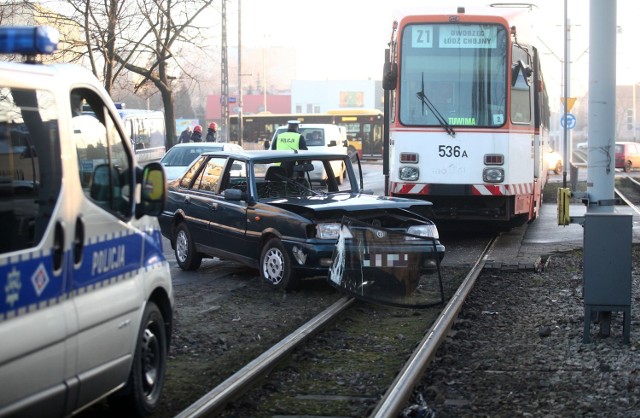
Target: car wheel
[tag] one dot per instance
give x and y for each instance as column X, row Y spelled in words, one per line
column 146, row 379
column 275, row 266
column 627, row 166
column 185, row 249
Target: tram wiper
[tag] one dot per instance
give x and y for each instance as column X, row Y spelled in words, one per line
column 426, row 102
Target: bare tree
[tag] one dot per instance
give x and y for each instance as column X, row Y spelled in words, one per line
column 119, row 37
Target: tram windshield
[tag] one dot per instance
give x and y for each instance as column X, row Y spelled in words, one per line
column 453, row 74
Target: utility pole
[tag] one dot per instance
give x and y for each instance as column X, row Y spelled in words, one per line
column 224, row 78
column 239, row 75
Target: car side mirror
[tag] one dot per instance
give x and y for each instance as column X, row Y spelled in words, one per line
column 233, row 194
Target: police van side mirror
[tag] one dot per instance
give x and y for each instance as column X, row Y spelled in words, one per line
column 153, row 190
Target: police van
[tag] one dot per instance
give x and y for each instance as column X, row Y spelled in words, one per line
column 85, row 290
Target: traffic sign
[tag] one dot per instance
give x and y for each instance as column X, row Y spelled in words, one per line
column 571, row 121
column 570, row 102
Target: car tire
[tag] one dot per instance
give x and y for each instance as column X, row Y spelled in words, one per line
column 627, row 167
column 275, row 266
column 143, row 390
column 185, row 249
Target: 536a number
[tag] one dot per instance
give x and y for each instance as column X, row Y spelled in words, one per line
column 451, row 151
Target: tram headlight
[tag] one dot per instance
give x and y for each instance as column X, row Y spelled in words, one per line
column 493, row 175
column 409, row 173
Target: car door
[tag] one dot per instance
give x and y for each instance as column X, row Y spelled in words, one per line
column 199, row 200
column 229, row 225
column 635, row 155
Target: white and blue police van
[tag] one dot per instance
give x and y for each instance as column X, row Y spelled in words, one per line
column 85, row 291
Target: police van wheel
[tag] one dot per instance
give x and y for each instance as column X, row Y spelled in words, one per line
column 185, row 249
column 275, row 266
column 146, row 379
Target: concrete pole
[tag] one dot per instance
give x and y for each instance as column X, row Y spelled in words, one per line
column 602, row 106
column 240, row 127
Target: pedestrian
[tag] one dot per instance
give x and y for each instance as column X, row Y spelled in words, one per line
column 212, row 132
column 291, row 139
column 185, row 136
column 196, row 136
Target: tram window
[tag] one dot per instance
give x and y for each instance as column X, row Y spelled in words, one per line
column 521, row 90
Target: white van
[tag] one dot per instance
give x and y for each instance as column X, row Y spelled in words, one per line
column 323, row 137
column 86, row 296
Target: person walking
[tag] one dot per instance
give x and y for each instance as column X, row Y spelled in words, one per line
column 212, row 132
column 196, row 136
column 185, row 136
column 291, row 139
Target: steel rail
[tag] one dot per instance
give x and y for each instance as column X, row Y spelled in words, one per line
column 398, row 393
column 219, row 396
column 627, row 201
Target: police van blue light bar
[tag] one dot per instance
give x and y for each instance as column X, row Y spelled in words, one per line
column 28, row 40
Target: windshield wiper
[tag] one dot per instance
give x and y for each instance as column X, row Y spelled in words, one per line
column 426, row 102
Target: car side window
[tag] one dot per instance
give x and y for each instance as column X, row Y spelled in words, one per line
column 104, row 164
column 209, row 178
column 30, row 166
column 191, row 173
column 235, row 176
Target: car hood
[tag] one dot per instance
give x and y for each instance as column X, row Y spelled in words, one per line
column 346, row 203
column 173, row 172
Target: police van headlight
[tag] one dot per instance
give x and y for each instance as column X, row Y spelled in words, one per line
column 409, row 173
column 493, row 175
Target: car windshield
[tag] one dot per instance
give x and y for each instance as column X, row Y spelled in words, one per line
column 183, row 156
column 303, row 177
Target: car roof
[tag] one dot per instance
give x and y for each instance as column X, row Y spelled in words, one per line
column 276, row 154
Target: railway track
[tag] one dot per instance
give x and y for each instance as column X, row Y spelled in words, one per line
column 307, row 373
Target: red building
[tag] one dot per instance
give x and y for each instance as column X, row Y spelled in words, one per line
column 251, row 104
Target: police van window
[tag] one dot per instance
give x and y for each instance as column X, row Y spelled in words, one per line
column 103, row 162
column 30, row 173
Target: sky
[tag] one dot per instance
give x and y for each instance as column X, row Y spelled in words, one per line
column 346, row 39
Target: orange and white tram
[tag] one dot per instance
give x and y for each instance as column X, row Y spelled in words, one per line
column 468, row 116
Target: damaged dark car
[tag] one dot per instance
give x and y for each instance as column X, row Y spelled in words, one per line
column 282, row 212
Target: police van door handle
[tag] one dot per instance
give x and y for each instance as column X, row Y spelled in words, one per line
column 58, row 246
column 78, row 241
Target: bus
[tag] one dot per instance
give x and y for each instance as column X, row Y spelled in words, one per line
column 146, row 129
column 468, row 115
column 364, row 127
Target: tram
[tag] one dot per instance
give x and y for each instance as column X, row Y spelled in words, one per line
column 468, row 115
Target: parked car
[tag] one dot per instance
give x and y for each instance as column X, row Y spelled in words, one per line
column 627, row 155
column 264, row 209
column 553, row 161
column 582, row 146
column 180, row 156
